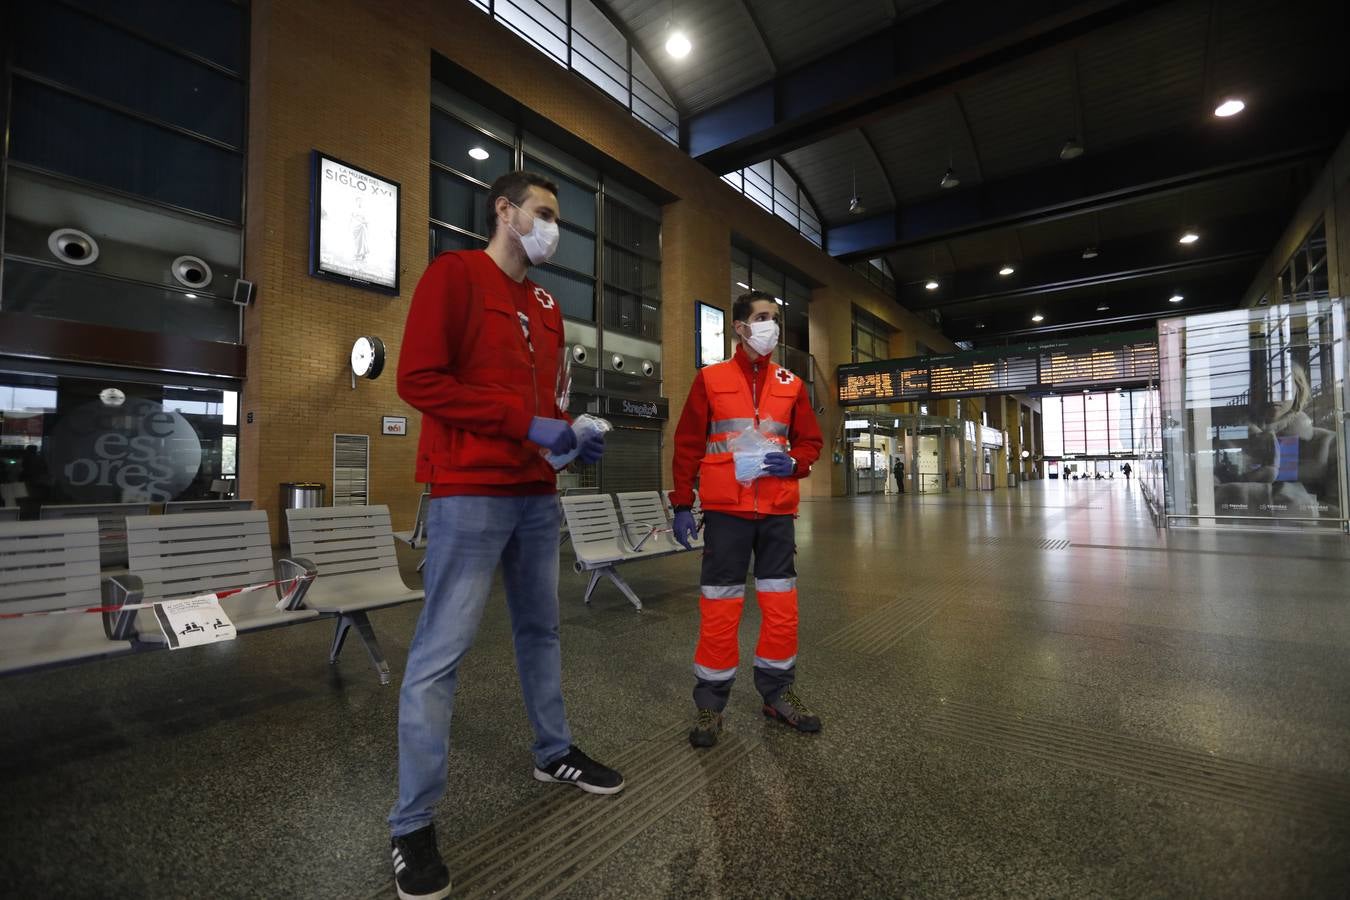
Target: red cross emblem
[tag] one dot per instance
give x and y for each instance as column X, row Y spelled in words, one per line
column 785, row 376
column 544, row 297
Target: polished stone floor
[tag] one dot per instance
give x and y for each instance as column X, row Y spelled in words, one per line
column 1027, row 693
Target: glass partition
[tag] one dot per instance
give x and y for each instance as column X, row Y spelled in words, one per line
column 1253, row 416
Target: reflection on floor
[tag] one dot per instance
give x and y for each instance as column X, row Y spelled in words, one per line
column 1025, row 693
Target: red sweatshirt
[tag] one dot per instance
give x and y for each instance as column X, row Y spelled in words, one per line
column 692, row 432
column 479, row 360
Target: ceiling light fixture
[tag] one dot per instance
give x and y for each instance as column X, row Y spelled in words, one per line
column 932, row 284
column 979, row 324
column 949, row 180
column 743, row 284
column 1102, row 307
column 478, row 153
column 677, row 45
column 1006, row 271
column 1230, row 107
column 1072, row 149
column 1175, row 298
column 1189, row 237
column 855, row 204
column 1038, row 318
column 1090, row 252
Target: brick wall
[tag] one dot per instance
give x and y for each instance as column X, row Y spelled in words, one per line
column 352, row 78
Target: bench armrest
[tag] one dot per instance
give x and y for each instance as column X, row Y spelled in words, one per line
column 295, row 568
column 121, row 590
column 635, row 547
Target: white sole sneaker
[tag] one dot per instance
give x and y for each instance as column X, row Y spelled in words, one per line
column 438, row 895
column 541, row 775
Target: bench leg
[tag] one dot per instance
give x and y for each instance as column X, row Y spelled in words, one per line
column 590, row 588
column 367, row 631
column 622, row 585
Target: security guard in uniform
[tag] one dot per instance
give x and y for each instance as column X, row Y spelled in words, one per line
column 748, row 390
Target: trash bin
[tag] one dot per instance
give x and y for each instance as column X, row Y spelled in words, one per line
column 300, row 495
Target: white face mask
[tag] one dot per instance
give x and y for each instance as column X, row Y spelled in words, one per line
column 541, row 240
column 763, row 337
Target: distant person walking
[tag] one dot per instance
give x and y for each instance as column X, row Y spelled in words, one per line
column 899, row 474
column 1126, row 470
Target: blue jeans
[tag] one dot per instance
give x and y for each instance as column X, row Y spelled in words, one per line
column 466, row 538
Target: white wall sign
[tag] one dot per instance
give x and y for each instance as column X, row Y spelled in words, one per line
column 355, row 227
column 395, row 425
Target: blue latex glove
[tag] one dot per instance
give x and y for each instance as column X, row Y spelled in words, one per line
column 553, row 435
column 591, row 449
column 778, row 465
column 685, row 529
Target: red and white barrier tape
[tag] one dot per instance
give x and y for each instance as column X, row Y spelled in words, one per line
column 215, row 595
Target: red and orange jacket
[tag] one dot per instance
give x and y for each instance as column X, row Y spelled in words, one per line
column 479, row 360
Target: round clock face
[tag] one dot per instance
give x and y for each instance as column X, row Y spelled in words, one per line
column 367, row 357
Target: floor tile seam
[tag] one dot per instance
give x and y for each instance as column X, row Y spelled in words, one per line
column 636, row 754
column 886, row 639
column 877, row 626
column 1141, row 774
column 548, row 858
column 1055, row 728
column 873, row 618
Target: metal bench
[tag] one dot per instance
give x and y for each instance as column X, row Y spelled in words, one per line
column 186, row 555
column 351, row 548
column 418, row 536
column 647, row 513
column 9, row 514
column 178, row 507
column 112, row 525
column 601, row 545
column 46, row 566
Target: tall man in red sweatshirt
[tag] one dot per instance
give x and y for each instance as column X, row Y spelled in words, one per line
column 480, row 360
column 747, row 391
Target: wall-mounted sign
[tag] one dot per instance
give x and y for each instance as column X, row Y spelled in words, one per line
column 642, row 409
column 857, row 423
column 394, row 425
column 354, row 225
column 709, row 334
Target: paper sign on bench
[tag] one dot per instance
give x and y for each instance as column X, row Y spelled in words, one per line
column 194, row 621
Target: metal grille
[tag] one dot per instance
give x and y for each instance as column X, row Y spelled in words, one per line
column 351, row 469
column 632, row 461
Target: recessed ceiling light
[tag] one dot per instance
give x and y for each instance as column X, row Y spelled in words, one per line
column 743, row 284
column 191, row 296
column 949, row 180
column 1102, row 307
column 979, row 324
column 1230, row 107
column 478, row 153
column 1090, row 253
column 677, row 45
column 1006, row 270
column 1175, row 298
column 1072, row 149
column 1038, row 318
column 1190, row 237
column 932, row 285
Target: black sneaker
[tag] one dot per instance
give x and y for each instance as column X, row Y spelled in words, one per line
column 579, row 769
column 790, row 710
column 419, row 871
column 706, row 729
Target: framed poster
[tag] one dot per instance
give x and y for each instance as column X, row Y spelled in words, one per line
column 709, row 334
column 354, row 225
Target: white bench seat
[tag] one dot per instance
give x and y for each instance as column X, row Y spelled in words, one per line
column 601, row 544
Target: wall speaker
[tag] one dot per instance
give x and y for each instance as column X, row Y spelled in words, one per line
column 191, row 271
column 70, row 245
column 243, row 292
column 617, row 362
column 648, row 368
column 579, row 354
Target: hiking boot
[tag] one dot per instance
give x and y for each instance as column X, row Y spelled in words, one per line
column 790, row 710
column 579, row 769
column 706, row 729
column 419, row 871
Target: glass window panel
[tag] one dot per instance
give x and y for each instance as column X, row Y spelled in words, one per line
column 106, row 62
column 451, row 141
column 576, row 250
column 576, row 203
column 444, row 239
column 740, row 272
column 213, row 29
column 634, row 274
column 735, row 180
column 132, row 155
column 661, row 118
column 632, row 314
column 1118, row 421
column 541, row 22
column 457, row 202
column 599, row 51
column 1095, row 423
column 1075, row 438
column 83, row 297
column 632, row 231
column 1052, row 424
column 448, row 100
column 575, row 293
column 766, row 278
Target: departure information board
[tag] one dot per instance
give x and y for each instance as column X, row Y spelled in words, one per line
column 1107, row 361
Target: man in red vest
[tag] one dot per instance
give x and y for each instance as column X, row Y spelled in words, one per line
column 480, row 360
column 746, row 392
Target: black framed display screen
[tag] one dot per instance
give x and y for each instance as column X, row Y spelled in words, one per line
column 710, row 335
column 354, row 219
